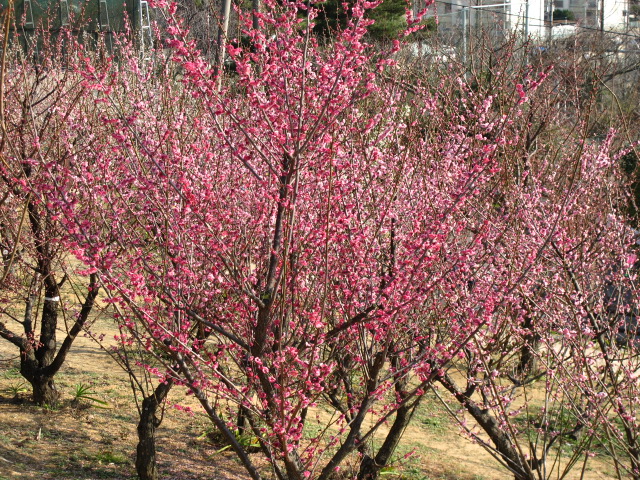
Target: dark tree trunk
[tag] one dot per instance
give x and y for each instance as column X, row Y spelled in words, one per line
column 45, row 391
column 523, row 469
column 39, row 363
column 528, row 363
column 243, row 412
column 49, row 321
column 44, row 388
column 146, row 465
column 370, row 467
column 36, row 365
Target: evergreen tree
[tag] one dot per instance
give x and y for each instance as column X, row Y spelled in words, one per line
column 389, row 18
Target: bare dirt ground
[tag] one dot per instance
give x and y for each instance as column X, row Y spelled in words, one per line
column 84, row 442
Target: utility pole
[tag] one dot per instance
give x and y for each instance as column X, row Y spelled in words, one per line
column 223, row 30
column 526, row 21
column 255, row 8
column 465, row 10
column 466, row 20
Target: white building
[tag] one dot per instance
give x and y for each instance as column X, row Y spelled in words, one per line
column 610, row 13
column 531, row 17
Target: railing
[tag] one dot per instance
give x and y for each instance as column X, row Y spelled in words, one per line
column 64, row 13
column 28, row 15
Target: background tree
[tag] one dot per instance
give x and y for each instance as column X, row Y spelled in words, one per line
column 330, row 253
column 520, row 355
column 326, row 229
column 389, row 18
column 567, row 15
column 38, row 104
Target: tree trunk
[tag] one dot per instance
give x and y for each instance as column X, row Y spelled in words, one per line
column 44, row 388
column 146, row 465
column 46, row 351
column 242, row 419
column 528, row 363
column 39, row 364
column 44, row 391
column 370, row 467
column 522, row 468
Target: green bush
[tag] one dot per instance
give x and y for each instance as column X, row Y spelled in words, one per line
column 389, row 18
column 560, row 14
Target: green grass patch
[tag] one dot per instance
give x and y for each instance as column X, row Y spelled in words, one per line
column 12, row 373
column 111, row 457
